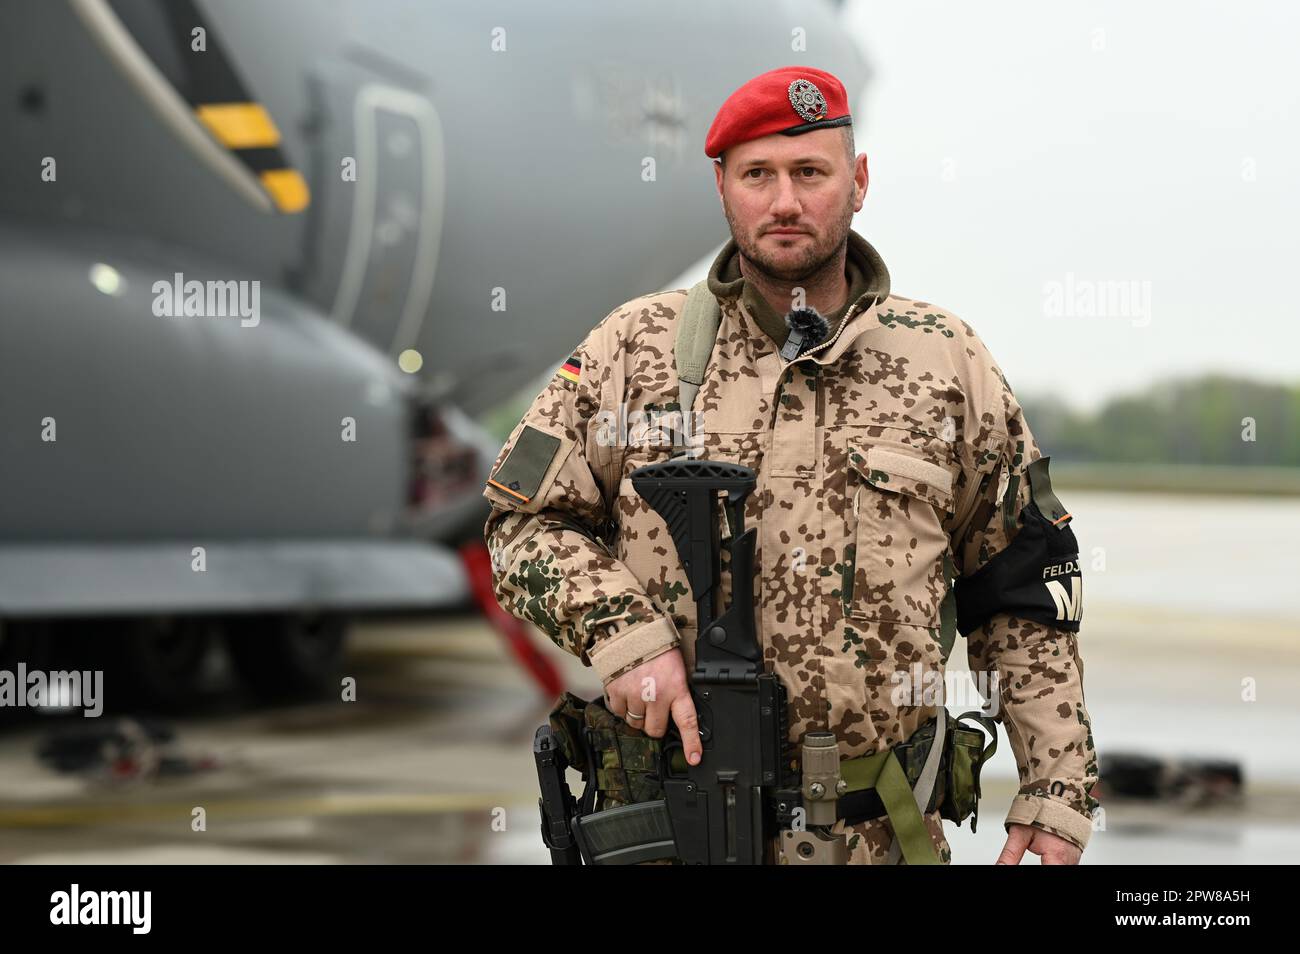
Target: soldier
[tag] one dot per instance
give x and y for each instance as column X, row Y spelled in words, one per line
column 901, row 497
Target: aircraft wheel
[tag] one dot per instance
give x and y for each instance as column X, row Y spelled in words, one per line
column 288, row 657
column 162, row 659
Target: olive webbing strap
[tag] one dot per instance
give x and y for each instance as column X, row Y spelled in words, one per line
column 883, row 772
column 696, row 331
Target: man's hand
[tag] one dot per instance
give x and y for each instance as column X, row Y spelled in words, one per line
column 655, row 690
column 1054, row 849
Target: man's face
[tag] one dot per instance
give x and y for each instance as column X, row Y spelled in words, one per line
column 805, row 185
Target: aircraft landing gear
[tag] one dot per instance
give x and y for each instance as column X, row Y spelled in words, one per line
column 282, row 656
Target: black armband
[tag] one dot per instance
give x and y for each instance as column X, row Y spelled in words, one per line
column 1037, row 577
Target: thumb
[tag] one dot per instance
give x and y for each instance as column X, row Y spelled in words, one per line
column 1017, row 840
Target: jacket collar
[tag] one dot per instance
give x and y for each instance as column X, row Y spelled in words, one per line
column 728, row 286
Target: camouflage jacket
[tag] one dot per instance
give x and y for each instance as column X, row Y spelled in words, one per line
column 890, row 460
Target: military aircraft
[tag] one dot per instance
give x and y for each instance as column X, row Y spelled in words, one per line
column 264, row 266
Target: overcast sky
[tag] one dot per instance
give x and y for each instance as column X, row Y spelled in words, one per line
column 1036, row 166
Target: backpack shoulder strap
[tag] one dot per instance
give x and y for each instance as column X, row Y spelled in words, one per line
column 696, row 331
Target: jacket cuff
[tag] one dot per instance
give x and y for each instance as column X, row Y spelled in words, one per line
column 629, row 648
column 1052, row 815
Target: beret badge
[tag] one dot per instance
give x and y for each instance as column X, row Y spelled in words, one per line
column 807, row 101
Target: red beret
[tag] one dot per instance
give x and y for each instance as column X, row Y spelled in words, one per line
column 789, row 100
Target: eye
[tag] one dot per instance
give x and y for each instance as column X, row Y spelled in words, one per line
column 749, row 172
column 812, row 169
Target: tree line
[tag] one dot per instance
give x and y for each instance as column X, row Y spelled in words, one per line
column 1209, row 419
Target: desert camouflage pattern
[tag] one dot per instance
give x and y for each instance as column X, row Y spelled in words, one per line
column 890, row 458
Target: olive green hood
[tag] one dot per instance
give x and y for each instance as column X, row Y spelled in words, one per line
column 863, row 267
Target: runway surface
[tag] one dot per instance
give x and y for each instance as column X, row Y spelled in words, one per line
column 432, row 761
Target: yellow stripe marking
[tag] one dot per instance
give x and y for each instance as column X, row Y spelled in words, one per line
column 566, row 373
column 239, row 125
column 288, row 190
column 512, row 493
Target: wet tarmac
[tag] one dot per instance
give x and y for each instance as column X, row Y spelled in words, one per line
column 432, row 763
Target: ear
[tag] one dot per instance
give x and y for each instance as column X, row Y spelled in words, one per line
column 861, row 178
column 717, row 176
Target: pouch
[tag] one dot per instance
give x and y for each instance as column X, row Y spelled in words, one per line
column 625, row 760
column 966, row 756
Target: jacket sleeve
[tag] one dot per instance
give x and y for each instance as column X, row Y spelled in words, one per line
column 1037, row 665
column 550, row 490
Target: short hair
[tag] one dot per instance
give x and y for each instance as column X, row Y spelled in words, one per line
column 846, row 135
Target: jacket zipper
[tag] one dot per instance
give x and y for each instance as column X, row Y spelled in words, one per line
column 826, row 344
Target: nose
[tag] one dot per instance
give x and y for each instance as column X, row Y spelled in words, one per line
column 785, row 204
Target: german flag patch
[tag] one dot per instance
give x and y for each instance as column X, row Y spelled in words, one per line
column 571, row 368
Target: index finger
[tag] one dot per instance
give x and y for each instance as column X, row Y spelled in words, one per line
column 688, row 726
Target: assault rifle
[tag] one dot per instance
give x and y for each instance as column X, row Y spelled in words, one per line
column 729, row 808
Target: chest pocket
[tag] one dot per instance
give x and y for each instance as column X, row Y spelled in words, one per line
column 899, row 495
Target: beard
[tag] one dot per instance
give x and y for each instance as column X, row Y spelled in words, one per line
column 811, row 259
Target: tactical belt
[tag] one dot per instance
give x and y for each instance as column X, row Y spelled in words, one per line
column 862, row 801
column 858, row 804
column 881, row 777
column 877, row 786
column 855, row 807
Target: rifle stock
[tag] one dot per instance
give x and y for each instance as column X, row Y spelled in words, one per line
column 718, row 809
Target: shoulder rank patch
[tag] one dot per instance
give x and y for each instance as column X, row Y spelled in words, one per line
column 571, row 368
column 521, row 473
